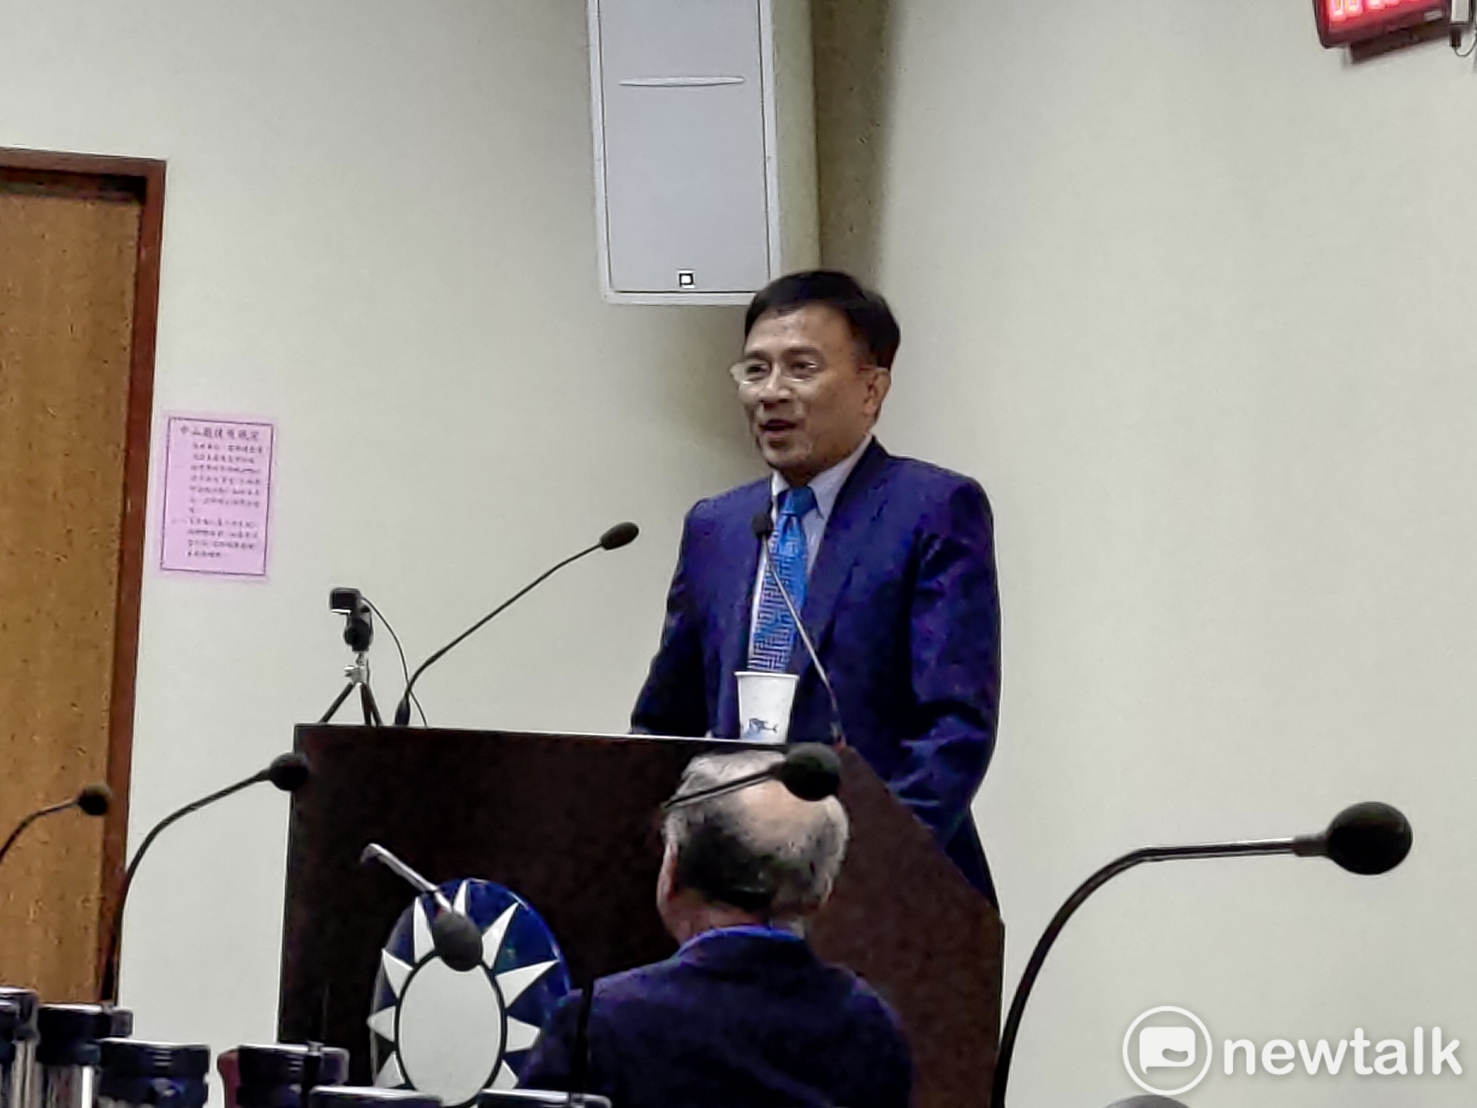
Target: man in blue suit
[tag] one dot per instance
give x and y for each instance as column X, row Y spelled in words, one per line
column 890, row 561
column 744, row 1015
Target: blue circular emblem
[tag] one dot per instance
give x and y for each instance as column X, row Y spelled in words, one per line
column 454, row 1034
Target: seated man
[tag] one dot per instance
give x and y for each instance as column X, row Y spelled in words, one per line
column 744, row 1014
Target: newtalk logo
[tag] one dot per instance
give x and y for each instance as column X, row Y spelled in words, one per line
column 1169, row 1051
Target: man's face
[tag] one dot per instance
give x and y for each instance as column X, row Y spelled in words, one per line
column 820, row 397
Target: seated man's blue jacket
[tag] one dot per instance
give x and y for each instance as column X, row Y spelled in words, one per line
column 904, row 611
column 732, row 1020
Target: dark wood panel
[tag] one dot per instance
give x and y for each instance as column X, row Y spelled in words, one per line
column 570, row 823
column 904, row 918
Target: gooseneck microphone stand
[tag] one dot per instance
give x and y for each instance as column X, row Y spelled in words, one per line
column 763, row 528
column 456, row 938
column 287, row 772
column 1368, row 838
column 1048, row 937
column 93, row 800
column 622, row 534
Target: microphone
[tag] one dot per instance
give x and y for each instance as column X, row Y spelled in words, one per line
column 92, row 800
column 455, row 937
column 622, row 534
column 1368, row 839
column 288, row 772
column 763, row 527
column 811, row 771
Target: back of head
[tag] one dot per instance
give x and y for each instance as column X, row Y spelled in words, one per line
column 871, row 320
column 1146, row 1102
column 759, row 849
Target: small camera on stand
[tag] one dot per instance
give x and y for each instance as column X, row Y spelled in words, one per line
column 359, row 620
column 358, row 635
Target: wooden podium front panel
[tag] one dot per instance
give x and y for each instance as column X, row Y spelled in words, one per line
column 904, row 918
column 567, row 823
column 571, row 824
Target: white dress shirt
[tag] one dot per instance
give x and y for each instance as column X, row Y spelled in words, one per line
column 826, row 486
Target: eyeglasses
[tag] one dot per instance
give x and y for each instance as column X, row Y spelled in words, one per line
column 754, row 373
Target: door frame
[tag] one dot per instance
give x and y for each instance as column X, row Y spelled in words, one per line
column 142, row 178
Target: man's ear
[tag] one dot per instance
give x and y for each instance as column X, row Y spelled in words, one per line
column 877, row 391
column 666, row 879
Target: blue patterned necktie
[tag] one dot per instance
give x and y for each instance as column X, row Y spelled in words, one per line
column 774, row 629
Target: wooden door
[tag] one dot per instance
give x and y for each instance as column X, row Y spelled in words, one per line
column 79, row 257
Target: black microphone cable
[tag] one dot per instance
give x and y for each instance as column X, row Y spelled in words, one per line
column 404, row 665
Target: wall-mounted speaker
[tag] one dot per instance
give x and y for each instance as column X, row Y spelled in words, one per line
column 704, row 125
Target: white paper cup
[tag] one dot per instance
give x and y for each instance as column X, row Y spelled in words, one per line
column 764, row 701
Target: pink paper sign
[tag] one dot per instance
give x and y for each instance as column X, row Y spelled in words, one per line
column 217, row 488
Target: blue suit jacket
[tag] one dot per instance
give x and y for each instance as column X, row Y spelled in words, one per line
column 732, row 1021
column 903, row 609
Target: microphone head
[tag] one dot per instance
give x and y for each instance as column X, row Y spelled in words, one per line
column 457, row 941
column 1368, row 838
column 811, row 771
column 762, row 526
column 622, row 534
column 289, row 772
column 94, row 800
column 1146, row 1102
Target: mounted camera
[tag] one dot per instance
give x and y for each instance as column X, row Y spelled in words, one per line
column 359, row 622
column 358, row 635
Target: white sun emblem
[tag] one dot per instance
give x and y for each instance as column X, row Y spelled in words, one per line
column 451, row 1032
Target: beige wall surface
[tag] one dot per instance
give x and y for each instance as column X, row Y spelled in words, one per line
column 1182, row 289
column 1175, row 284
column 380, row 233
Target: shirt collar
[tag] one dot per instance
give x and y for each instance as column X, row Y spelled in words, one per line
column 826, row 485
column 749, row 930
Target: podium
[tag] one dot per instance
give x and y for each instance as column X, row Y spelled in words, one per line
column 571, row 824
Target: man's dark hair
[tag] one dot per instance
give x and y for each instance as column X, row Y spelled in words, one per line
column 716, row 865
column 871, row 320
column 724, row 853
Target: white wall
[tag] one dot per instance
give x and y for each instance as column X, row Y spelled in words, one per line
column 379, row 231
column 1223, row 428
column 1180, row 287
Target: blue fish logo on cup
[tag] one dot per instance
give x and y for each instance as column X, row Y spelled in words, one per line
column 759, row 730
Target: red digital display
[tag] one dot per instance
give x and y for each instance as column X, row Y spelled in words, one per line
column 1344, row 21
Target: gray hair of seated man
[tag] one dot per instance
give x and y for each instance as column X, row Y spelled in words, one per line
column 1146, row 1102
column 775, row 860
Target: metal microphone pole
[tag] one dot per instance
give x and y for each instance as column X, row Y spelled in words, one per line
column 763, row 527
column 455, row 937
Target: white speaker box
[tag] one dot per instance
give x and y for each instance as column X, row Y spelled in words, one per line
column 704, row 125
